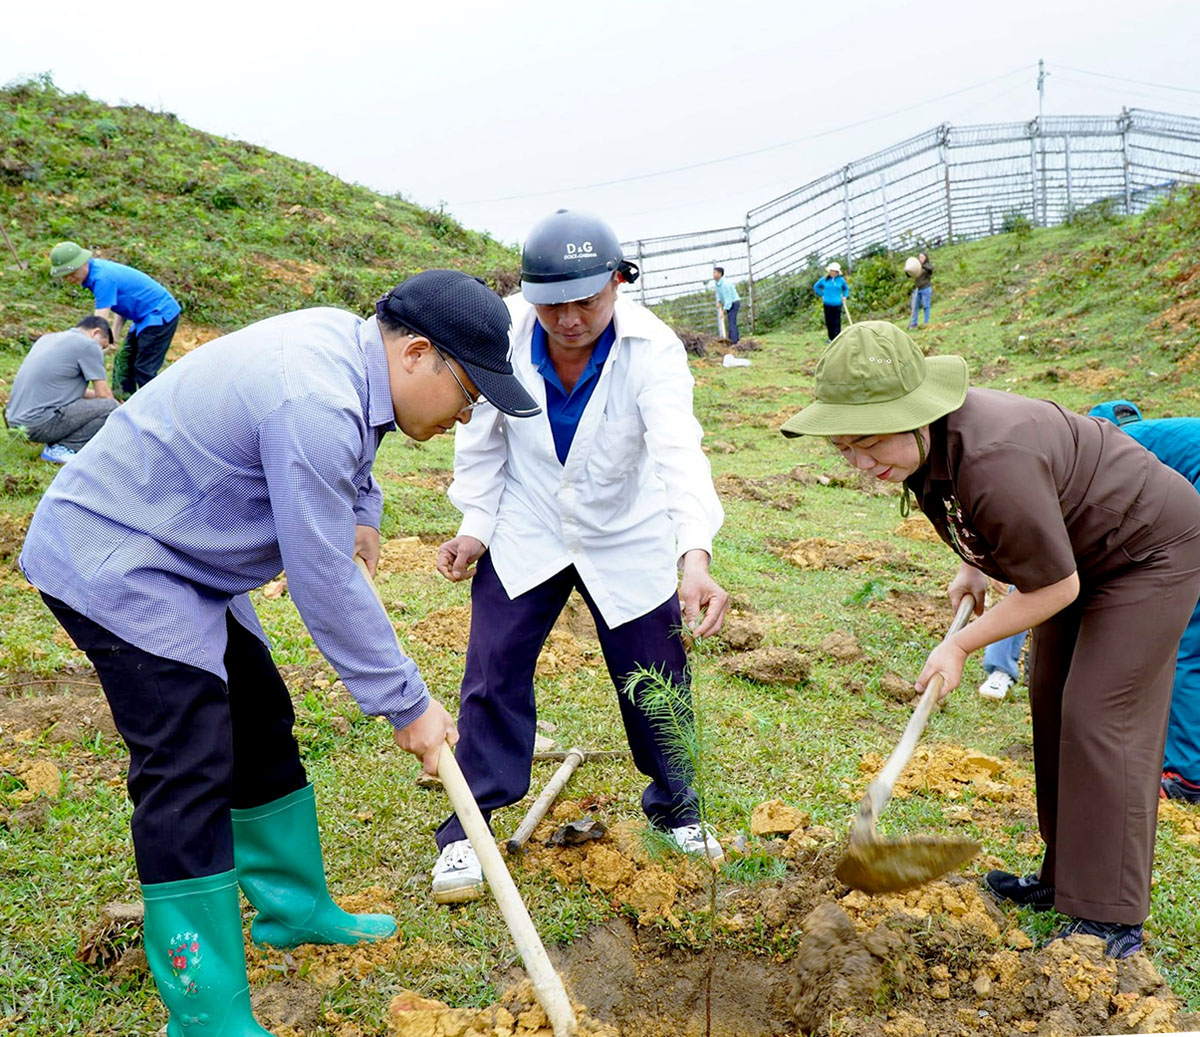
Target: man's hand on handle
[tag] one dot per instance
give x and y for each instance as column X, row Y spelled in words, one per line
column 425, row 735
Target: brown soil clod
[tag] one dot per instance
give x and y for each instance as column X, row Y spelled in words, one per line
column 290, row 1003
column 842, row 646
column 742, row 631
column 117, row 931
column 823, row 553
column 771, row 664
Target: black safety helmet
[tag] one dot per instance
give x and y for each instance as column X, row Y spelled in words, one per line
column 571, row 255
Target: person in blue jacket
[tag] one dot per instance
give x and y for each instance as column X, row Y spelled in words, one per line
column 1176, row 443
column 833, row 290
column 127, row 297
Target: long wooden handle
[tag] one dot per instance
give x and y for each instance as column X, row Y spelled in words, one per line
column 879, row 792
column 540, row 805
column 547, row 984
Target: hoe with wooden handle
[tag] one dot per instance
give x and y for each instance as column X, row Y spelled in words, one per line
column 547, row 984
column 877, row 865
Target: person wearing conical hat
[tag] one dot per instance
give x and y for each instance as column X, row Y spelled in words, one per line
column 1102, row 544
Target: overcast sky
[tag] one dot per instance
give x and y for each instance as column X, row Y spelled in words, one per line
column 506, row 111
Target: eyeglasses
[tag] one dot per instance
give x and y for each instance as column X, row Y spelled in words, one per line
column 471, row 403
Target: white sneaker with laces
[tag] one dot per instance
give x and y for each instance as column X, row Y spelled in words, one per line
column 457, row 875
column 691, row 839
column 997, row 684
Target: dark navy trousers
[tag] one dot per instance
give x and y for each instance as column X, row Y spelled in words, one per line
column 497, row 715
column 197, row 745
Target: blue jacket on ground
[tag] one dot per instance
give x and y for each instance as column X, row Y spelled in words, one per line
column 832, row 290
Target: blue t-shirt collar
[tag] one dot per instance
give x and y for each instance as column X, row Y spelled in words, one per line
column 539, row 353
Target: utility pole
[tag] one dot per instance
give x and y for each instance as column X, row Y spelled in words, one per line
column 1041, row 86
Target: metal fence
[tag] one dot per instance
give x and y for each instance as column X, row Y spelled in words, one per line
column 948, row 184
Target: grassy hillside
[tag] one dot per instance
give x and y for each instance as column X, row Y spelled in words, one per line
column 235, row 231
column 817, row 563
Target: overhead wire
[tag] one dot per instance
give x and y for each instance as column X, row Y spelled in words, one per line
column 744, row 154
column 1126, row 79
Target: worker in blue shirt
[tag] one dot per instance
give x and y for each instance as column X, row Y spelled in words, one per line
column 124, row 296
column 1176, row 443
column 729, row 301
column 252, row 455
column 832, row 290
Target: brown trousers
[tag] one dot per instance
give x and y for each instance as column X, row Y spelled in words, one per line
column 1100, row 682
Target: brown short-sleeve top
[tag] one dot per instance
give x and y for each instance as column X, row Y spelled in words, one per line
column 1029, row 492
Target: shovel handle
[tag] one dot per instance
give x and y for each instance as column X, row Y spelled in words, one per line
column 547, row 983
column 879, row 792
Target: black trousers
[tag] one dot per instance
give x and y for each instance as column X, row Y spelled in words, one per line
column 497, row 717
column 731, row 315
column 833, row 320
column 197, row 745
column 147, row 351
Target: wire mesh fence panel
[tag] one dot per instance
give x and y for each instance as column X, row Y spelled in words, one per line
column 947, row 184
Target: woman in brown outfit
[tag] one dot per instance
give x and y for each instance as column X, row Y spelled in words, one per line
column 1102, row 543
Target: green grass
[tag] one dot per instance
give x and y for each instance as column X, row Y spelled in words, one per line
column 1048, row 314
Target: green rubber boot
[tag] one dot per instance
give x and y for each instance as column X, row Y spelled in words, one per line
column 277, row 852
column 193, row 940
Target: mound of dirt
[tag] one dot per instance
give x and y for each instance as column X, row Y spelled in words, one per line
column 328, row 966
column 822, row 553
column 928, row 612
column 445, row 628
column 576, row 618
column 917, row 527
column 407, row 555
column 619, row 867
column 563, row 653
column 776, row 491
column 288, row 1005
column 771, row 664
column 742, row 631
column 775, row 817
column 950, row 770
column 842, row 646
column 1183, row 819
column 517, row 1015
column 941, row 954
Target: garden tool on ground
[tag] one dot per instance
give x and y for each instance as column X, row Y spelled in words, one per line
column 548, row 795
column 877, row 865
column 846, row 307
column 547, row 983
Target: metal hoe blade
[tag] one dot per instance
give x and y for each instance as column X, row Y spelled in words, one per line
column 877, row 865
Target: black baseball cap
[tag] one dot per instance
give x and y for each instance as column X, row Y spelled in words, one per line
column 465, row 319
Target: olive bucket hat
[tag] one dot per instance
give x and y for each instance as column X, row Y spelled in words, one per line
column 67, row 256
column 873, row 379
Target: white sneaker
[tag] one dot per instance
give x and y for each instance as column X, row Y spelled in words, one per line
column 691, row 839
column 997, row 684
column 457, row 875
column 56, row 453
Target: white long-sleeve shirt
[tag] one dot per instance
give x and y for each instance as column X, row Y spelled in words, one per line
column 636, row 490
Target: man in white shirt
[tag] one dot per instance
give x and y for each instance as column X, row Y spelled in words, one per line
column 609, row 492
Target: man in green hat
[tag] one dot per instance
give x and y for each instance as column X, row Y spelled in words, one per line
column 1102, row 544
column 124, row 296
